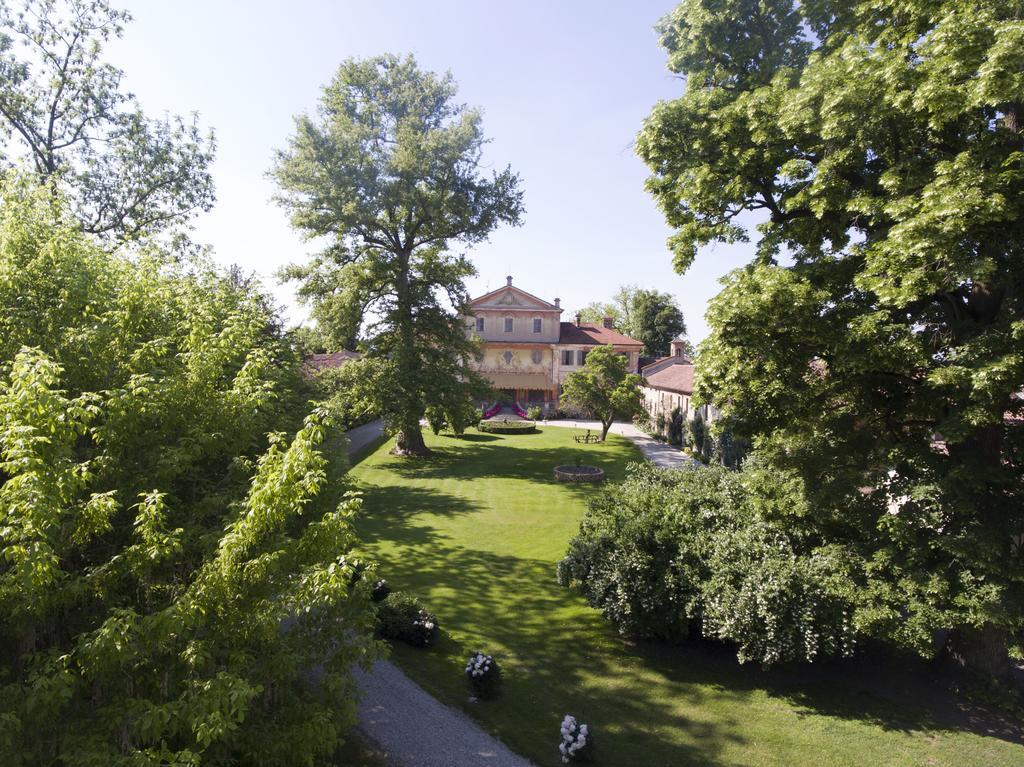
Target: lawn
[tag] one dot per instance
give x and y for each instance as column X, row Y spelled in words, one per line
column 476, row 532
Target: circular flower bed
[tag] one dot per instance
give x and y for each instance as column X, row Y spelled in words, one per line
column 507, row 427
column 578, row 474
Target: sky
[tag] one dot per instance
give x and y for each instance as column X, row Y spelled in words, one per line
column 563, row 87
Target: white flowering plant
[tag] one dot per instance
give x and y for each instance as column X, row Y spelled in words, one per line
column 577, row 742
column 483, row 674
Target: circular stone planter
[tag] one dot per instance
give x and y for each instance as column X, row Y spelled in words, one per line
column 578, row 474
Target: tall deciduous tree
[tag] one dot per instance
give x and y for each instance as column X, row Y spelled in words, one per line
column 63, row 110
column 170, row 576
column 604, row 388
column 881, row 144
column 646, row 315
column 389, row 173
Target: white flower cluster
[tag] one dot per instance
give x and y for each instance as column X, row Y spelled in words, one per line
column 574, row 738
column 478, row 665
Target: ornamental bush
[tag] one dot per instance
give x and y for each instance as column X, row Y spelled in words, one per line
column 710, row 552
column 483, row 674
column 576, row 742
column 507, row 427
column 534, row 413
column 774, row 604
column 401, row 617
column 172, row 565
column 642, row 548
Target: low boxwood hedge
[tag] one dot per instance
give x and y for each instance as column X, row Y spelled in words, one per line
column 507, row 427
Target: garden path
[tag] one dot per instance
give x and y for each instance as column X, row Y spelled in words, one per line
column 659, row 453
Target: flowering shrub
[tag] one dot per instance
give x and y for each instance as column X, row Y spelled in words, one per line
column 670, row 554
column 534, row 413
column 777, row 606
column 402, row 617
column 483, row 674
column 577, row 742
column 380, row 592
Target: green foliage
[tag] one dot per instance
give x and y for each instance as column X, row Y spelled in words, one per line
column 676, row 427
column 401, row 617
column 435, row 418
column 534, row 413
column 603, row 388
column 774, row 603
column 880, row 148
column 169, row 576
column 63, row 109
column 507, row 427
column 649, row 316
column 389, row 172
column 671, row 554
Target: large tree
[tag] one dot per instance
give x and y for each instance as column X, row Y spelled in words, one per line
column 389, row 174
column 64, row 112
column 650, row 316
column 882, row 361
column 604, row 388
column 173, row 568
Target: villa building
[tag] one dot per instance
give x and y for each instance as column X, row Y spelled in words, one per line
column 527, row 350
column 668, row 384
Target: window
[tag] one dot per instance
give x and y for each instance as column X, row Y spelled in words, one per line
column 536, row 324
column 581, row 357
column 536, row 356
column 508, row 324
column 480, row 324
column 508, row 357
column 568, row 356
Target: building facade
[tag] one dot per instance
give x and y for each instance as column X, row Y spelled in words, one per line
column 527, row 350
column 668, row 384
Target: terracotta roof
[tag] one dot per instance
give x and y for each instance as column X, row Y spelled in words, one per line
column 675, row 378
column 318, row 362
column 586, row 333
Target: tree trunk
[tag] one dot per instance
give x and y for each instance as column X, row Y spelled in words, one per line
column 409, row 441
column 605, row 426
column 981, row 650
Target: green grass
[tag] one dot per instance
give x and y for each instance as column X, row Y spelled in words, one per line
column 476, row 532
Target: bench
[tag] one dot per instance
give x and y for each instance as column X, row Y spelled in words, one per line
column 587, row 438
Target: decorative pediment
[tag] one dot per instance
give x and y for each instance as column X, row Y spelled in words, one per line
column 510, row 297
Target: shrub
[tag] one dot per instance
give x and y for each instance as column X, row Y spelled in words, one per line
column 671, row 553
column 483, row 674
column 380, row 592
column 640, row 554
column 435, row 419
column 676, row 427
column 659, row 423
column 534, row 413
column 775, row 604
column 577, row 743
column 507, row 427
column 460, row 416
column 403, row 618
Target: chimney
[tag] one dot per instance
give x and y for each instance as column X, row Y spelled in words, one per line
column 558, row 303
column 577, row 319
column 508, row 281
column 608, row 322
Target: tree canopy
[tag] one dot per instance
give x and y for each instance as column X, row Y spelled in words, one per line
column 63, row 110
column 604, row 388
column 389, row 174
column 882, row 359
column 650, row 316
column 170, row 577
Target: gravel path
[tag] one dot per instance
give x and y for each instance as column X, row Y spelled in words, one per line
column 409, row 725
column 659, row 453
column 415, row 730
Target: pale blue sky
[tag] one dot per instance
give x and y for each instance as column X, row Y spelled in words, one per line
column 563, row 87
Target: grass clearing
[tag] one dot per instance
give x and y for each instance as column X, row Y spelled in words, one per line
column 476, row 530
